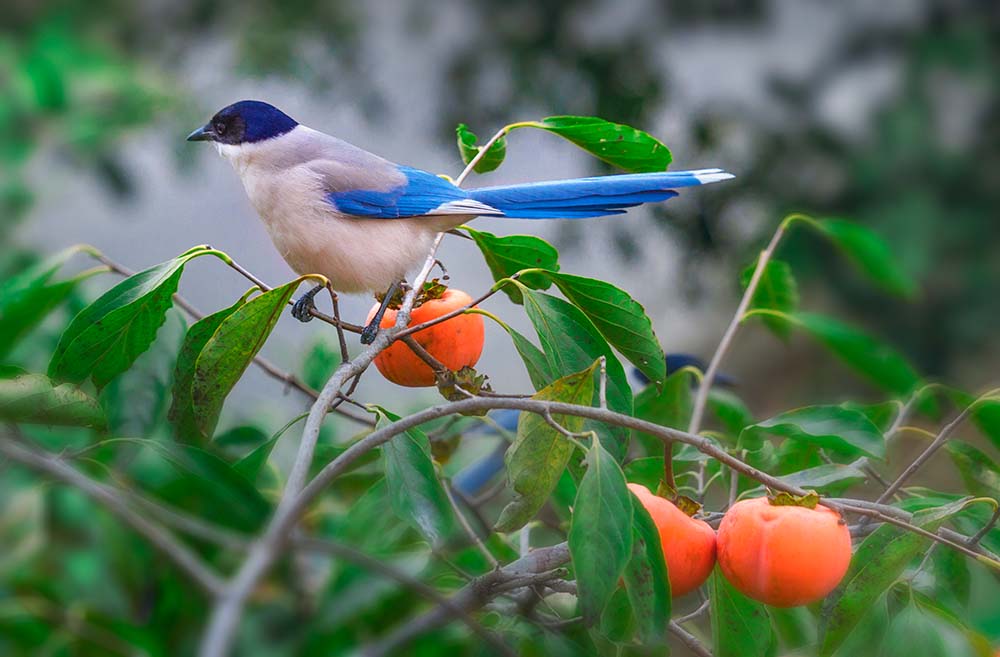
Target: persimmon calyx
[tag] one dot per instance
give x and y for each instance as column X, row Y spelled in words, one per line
column 780, row 498
column 456, row 386
column 432, row 289
column 686, row 504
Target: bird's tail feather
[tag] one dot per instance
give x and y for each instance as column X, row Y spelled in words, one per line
column 590, row 197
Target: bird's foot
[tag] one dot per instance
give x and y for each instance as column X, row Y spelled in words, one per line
column 371, row 330
column 369, row 333
column 302, row 309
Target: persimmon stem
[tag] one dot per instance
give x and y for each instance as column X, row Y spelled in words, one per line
column 668, row 465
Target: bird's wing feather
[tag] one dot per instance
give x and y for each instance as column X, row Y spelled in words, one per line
column 403, row 192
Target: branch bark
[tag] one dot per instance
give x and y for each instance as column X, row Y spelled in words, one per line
column 225, row 615
column 166, row 543
column 476, row 594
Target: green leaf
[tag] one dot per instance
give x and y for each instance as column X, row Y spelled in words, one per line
column 230, row 350
column 830, row 427
column 917, row 632
column 509, row 254
column 881, row 415
column 34, row 399
column 980, row 474
column 415, row 492
column 319, row 363
column 106, row 337
column 776, row 290
column 646, row 578
column 600, row 533
column 207, row 486
column 877, row 563
column 986, row 416
column 620, row 319
column 952, row 578
column 646, row 470
column 617, row 619
column 182, row 414
column 619, row 145
column 571, row 343
column 250, row 465
column 870, row 253
column 469, row 150
column 669, row 407
column 826, row 479
column 534, row 359
column 740, row 626
column 876, row 360
column 731, row 411
column 539, row 454
column 137, row 401
column 28, row 297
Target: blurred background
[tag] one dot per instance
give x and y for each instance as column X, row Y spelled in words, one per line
column 886, row 113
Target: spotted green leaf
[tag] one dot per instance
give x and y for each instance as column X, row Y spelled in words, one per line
column 539, row 454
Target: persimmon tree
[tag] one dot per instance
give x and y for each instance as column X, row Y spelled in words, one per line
column 167, row 536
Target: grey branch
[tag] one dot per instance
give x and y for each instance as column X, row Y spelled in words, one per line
column 225, row 616
column 348, row 553
column 168, row 545
column 689, row 640
column 534, row 568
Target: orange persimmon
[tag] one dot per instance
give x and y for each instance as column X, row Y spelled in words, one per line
column 783, row 555
column 456, row 342
column 688, row 544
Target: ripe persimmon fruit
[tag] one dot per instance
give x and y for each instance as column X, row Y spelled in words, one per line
column 456, row 342
column 688, row 544
column 783, row 555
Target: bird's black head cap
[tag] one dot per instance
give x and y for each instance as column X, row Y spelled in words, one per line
column 248, row 121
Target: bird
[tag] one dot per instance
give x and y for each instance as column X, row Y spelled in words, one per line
column 364, row 222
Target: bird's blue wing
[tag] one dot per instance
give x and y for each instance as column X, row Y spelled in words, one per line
column 422, row 194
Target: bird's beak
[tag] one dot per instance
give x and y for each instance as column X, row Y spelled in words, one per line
column 204, row 133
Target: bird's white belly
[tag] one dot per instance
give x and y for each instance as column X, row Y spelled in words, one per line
column 356, row 255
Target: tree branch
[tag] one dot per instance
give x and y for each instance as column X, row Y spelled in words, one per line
column 263, row 363
column 348, row 553
column 689, row 640
column 705, row 386
column 184, row 558
column 537, row 566
column 225, row 616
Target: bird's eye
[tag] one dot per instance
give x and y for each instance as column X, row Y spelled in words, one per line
column 220, row 128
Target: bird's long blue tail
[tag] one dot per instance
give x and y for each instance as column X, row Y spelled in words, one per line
column 590, row 197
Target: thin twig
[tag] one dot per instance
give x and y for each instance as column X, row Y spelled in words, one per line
column 689, row 640
column 263, row 363
column 184, row 558
column 344, row 353
column 701, row 399
column 225, row 616
column 355, row 556
column 410, row 330
column 978, row 536
column 697, row 613
column 924, row 456
column 480, row 155
column 602, row 390
column 538, row 566
column 466, row 527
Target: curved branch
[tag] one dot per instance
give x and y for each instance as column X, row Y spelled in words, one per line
column 183, row 557
column 536, row 566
